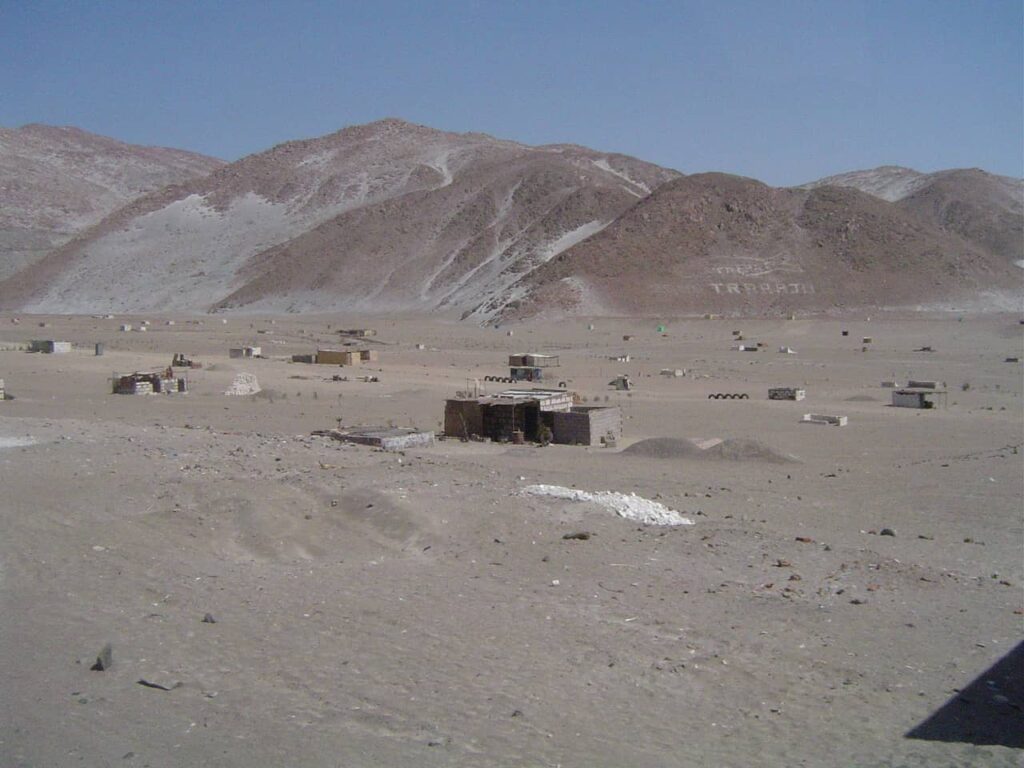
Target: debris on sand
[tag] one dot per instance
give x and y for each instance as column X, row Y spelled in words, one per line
column 627, row 505
column 159, row 686
column 244, row 384
column 730, row 449
column 104, row 660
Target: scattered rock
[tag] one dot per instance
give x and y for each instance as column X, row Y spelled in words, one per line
column 579, row 535
column 105, row 659
column 805, row 539
column 887, row 532
column 858, row 601
column 780, row 563
column 208, row 618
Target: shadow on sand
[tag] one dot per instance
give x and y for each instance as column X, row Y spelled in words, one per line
column 988, row 711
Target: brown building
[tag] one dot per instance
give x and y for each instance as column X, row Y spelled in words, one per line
column 528, row 411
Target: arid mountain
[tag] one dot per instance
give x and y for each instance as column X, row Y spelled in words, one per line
column 983, row 208
column 55, row 182
column 385, row 215
column 395, row 216
column 718, row 243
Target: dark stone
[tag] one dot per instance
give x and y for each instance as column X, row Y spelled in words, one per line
column 887, row 532
column 208, row 619
column 579, row 535
column 105, row 659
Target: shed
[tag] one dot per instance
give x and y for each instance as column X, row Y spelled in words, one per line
column 245, row 352
column 49, row 347
column 499, row 416
column 525, row 373
column 338, row 357
column 917, row 397
column 786, row 393
column 533, row 360
column 587, row 425
column 148, row 383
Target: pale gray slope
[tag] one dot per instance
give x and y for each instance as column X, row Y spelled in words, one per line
column 56, row 181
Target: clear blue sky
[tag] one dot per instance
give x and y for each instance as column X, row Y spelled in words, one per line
column 782, row 90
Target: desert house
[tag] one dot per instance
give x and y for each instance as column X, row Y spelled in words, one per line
column 49, row 347
column 918, row 397
column 529, row 414
column 148, row 383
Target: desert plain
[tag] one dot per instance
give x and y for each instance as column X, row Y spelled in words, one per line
column 375, row 608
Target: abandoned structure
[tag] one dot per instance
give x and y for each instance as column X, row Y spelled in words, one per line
column 918, row 397
column 3, row 394
column 49, row 347
column 339, row 357
column 532, row 414
column 822, row 418
column 622, row 383
column 245, row 352
column 786, row 393
column 180, row 361
column 387, row 438
column 530, row 366
column 148, row 383
column 358, row 332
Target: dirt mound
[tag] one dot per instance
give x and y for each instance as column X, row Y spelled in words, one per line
column 748, row 450
column 731, row 449
column 665, row 448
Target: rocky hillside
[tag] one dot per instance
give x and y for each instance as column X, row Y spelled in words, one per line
column 385, row 215
column 394, row 216
column 55, row 182
column 983, row 208
column 718, row 243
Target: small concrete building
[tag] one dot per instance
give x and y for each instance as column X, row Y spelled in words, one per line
column 3, row 392
column 587, row 425
column 49, row 347
column 918, row 397
column 786, row 393
column 245, row 352
column 358, row 332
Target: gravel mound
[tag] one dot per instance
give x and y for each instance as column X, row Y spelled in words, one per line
column 731, row 449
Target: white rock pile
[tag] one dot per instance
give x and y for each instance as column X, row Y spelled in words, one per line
column 244, row 384
column 627, row 505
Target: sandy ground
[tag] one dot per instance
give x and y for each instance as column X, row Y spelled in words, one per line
column 412, row 609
